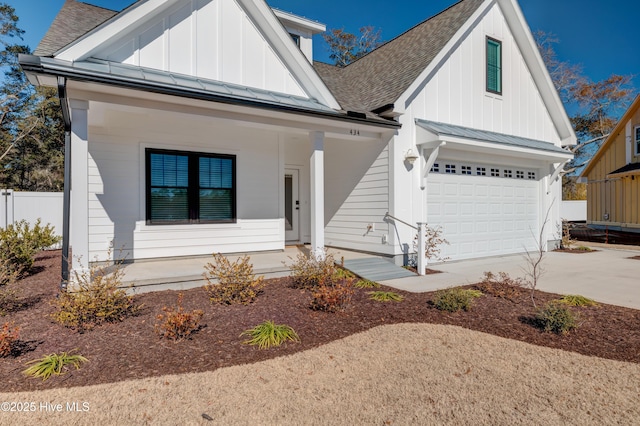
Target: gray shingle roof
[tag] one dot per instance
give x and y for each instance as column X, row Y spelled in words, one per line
column 74, row 20
column 383, row 75
column 486, row 136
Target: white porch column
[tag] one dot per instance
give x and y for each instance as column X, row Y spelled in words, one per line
column 79, row 232
column 422, row 260
column 317, row 192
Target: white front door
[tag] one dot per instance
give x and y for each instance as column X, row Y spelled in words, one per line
column 291, row 205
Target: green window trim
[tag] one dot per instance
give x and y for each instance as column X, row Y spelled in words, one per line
column 189, row 187
column 494, row 66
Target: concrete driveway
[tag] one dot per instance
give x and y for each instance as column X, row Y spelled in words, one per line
column 608, row 275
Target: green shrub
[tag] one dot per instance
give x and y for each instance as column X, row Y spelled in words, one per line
column 8, row 274
column 332, row 296
column 454, row 299
column 236, row 282
column 385, row 296
column 309, row 272
column 366, row 284
column 556, row 318
column 96, row 299
column 19, row 243
column 9, row 334
column 270, row 334
column 577, row 300
column 583, row 248
column 176, row 324
column 54, row 364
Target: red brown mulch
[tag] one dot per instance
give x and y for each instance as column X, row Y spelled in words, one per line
column 575, row 251
column 635, row 257
column 131, row 349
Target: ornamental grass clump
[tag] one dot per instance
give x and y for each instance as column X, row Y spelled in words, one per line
column 577, row 300
column 455, row 299
column 176, row 323
column 366, row 284
column 269, row 334
column 54, row 364
column 9, row 335
column 232, row 283
column 385, row 296
column 96, row 298
column 557, row 318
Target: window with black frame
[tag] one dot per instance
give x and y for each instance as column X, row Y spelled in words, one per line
column 190, row 187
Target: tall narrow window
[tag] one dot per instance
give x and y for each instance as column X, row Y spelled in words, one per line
column 637, row 140
column 188, row 187
column 494, row 66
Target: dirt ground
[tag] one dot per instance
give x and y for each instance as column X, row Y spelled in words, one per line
column 351, row 366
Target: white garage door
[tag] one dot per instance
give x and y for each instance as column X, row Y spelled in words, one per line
column 485, row 211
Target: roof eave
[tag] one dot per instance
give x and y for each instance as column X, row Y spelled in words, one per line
column 35, row 67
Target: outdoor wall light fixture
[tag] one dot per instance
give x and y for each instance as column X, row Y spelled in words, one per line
column 410, row 157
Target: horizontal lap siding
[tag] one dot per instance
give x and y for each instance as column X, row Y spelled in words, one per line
column 367, row 204
column 116, row 205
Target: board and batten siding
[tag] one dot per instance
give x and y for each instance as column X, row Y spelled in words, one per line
column 117, row 194
column 210, row 39
column 614, row 201
column 457, row 92
column 367, row 204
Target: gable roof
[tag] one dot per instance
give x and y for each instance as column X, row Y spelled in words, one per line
column 74, row 20
column 382, row 76
column 612, row 136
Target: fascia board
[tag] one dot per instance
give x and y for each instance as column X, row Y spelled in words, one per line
column 480, row 146
column 522, row 34
column 291, row 56
column 313, row 27
column 82, row 48
column 414, row 89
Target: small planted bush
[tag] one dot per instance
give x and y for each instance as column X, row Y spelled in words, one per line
column 236, row 282
column 385, row 296
column 455, row 299
column 8, row 301
column 269, row 334
column 8, row 274
column 9, row 335
column 97, row 299
column 176, row 323
column 309, row 271
column 332, row 296
column 501, row 285
column 366, row 284
column 557, row 318
column 54, row 364
column 19, row 243
column 577, row 300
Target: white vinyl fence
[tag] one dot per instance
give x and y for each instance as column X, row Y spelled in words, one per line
column 574, row 211
column 31, row 206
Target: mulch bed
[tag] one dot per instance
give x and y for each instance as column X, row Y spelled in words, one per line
column 575, row 251
column 635, row 257
column 131, row 349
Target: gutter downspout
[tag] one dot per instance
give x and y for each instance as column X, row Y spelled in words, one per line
column 64, row 104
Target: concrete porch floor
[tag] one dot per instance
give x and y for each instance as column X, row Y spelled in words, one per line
column 186, row 273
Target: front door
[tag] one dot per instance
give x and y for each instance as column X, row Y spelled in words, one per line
column 291, row 205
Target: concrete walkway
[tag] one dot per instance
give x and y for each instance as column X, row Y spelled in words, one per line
column 607, row 275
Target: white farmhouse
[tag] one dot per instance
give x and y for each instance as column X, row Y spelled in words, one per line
column 200, row 126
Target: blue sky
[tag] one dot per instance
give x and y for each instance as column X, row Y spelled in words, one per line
column 600, row 35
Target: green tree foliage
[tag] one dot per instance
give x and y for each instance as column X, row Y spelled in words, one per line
column 31, row 126
column 345, row 47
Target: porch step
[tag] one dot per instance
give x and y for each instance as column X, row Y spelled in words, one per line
column 377, row 269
